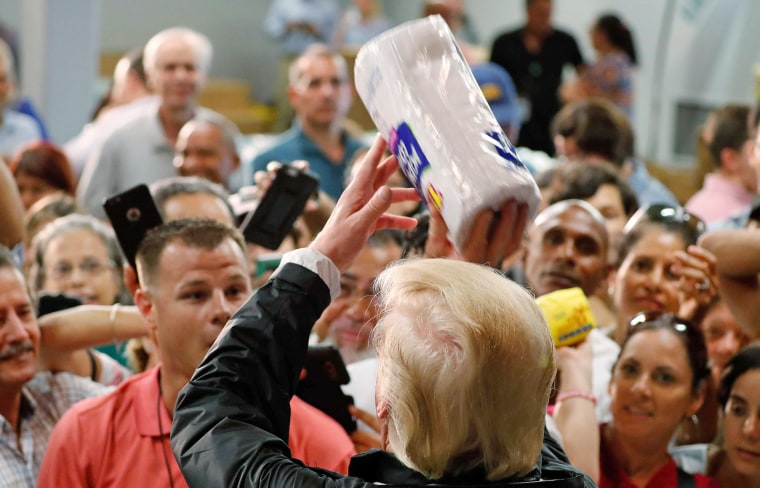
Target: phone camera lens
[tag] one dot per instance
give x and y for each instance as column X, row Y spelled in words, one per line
column 133, row 214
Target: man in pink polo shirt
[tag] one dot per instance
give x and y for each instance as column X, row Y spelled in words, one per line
column 193, row 276
column 729, row 189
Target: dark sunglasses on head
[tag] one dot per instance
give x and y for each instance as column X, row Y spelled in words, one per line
column 678, row 324
column 690, row 334
column 665, row 213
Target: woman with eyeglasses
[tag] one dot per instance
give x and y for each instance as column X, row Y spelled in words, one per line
column 737, row 462
column 77, row 255
column 660, row 267
column 658, row 380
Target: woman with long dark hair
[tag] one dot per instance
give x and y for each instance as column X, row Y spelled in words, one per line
column 611, row 76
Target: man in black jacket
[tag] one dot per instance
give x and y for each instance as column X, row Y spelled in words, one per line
column 231, row 421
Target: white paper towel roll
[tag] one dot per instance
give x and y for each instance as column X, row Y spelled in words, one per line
column 421, row 94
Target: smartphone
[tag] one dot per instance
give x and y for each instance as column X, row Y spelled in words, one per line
column 55, row 302
column 275, row 214
column 325, row 371
column 132, row 214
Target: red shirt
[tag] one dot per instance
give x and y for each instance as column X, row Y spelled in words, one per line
column 612, row 475
column 114, row 440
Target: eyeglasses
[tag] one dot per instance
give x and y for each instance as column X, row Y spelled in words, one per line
column 63, row 269
column 666, row 213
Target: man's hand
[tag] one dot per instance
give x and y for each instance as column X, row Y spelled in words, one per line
column 492, row 238
column 360, row 211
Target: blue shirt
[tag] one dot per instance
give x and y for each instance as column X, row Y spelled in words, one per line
column 294, row 145
column 321, row 14
column 648, row 189
column 16, row 129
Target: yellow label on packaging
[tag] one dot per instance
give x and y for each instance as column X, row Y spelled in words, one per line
column 568, row 314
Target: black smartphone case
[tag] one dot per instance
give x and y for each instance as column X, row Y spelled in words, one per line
column 285, row 200
column 132, row 214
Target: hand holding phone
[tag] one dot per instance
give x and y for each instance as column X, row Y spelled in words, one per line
column 132, row 214
column 55, row 302
column 283, row 202
column 325, row 372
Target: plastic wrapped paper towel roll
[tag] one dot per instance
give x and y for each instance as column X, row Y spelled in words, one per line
column 423, row 98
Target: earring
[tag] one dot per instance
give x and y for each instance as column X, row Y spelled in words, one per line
column 689, row 432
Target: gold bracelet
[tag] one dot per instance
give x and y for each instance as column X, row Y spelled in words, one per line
column 112, row 321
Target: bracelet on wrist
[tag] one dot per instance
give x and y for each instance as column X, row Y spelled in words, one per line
column 112, row 322
column 567, row 395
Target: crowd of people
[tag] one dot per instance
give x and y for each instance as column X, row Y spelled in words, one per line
column 184, row 368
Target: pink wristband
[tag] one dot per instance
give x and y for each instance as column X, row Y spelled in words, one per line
column 586, row 395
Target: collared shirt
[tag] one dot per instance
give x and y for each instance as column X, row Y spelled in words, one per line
column 44, row 400
column 122, row 439
column 16, row 129
column 321, row 14
column 137, row 152
column 719, row 199
column 295, row 144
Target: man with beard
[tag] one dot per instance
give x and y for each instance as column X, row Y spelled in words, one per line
column 320, row 94
column 30, row 403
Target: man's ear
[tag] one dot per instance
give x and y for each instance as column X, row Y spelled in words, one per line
column 383, row 410
column 728, row 159
column 149, row 80
column 293, row 96
column 144, row 304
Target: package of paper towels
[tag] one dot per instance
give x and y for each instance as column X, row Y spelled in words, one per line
column 423, row 98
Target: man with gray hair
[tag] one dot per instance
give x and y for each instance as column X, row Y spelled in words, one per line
column 176, row 62
column 320, row 94
column 16, row 128
column 31, row 402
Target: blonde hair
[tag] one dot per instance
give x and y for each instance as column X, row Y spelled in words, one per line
column 465, row 367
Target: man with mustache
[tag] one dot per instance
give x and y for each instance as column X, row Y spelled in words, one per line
column 320, row 94
column 30, row 402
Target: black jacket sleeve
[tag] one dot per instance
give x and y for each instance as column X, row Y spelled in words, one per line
column 230, row 424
